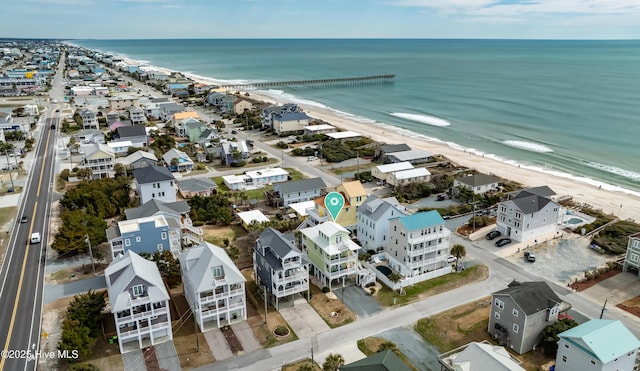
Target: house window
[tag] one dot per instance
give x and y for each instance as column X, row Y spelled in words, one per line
column 566, row 346
column 499, row 303
column 516, row 328
column 564, row 358
column 633, row 257
column 593, row 362
column 163, row 235
column 137, row 290
column 515, row 312
column 138, row 239
column 497, row 315
column 127, row 242
column 218, row 272
column 159, row 247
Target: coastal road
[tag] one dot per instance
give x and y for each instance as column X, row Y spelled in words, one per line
column 22, row 270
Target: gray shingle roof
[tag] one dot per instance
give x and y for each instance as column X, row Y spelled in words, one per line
column 196, row 184
column 154, row 206
column 131, row 131
column 374, row 207
column 381, row 361
column 530, row 203
column 152, row 174
column 390, row 148
column 197, row 264
column 477, row 180
column 277, row 242
column 301, row 185
column 532, row 297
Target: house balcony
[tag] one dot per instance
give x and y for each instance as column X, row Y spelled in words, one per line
column 220, row 296
column 424, row 263
column 294, row 289
column 291, row 263
column 337, row 272
column 215, row 309
column 445, row 233
column 426, row 250
column 292, row 277
column 315, row 218
column 339, row 259
column 143, row 330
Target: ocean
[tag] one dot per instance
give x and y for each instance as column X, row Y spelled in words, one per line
column 564, row 107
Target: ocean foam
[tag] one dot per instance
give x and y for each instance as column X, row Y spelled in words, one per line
column 615, row 170
column 527, row 146
column 425, row 119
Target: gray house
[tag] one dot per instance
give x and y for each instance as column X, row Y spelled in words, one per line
column 527, row 217
column 520, row 312
column 141, row 159
column 232, row 152
column 390, row 148
column 373, row 221
column 299, row 190
column 280, row 267
column 136, row 134
column 632, row 258
column 477, row 183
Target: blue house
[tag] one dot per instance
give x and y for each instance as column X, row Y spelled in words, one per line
column 145, row 235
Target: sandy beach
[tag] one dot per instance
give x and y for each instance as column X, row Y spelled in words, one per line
column 607, row 198
column 622, row 205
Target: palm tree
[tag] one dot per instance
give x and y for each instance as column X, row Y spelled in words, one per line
column 458, row 251
column 333, row 362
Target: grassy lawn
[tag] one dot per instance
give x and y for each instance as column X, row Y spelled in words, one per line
column 296, row 365
column 433, row 286
column 467, row 323
column 362, row 167
column 216, row 233
column 295, row 174
column 371, row 345
column 325, row 304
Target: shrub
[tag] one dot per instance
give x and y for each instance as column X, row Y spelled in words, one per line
column 282, row 330
column 326, row 289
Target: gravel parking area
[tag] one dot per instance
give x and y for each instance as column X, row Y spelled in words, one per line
column 561, row 261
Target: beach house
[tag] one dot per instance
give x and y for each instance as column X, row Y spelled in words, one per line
column 520, row 312
column 418, row 246
column 251, row 217
column 137, row 116
column 216, row 99
column 145, row 235
column 123, row 101
column 177, row 160
column 234, row 152
column 527, row 217
column 269, row 113
column 632, row 256
column 180, row 119
column 385, row 360
column 373, row 221
column 297, row 191
column 100, row 159
column 354, row 195
column 155, row 182
column 599, row 345
column 213, row 286
column 414, row 156
column 139, row 302
column 280, row 268
column 332, row 253
column 89, row 136
column 290, row 122
column 479, row 356
column 136, row 134
column 89, row 119
column 477, row 183
column 407, row 177
column 202, row 187
column 255, row 179
column 139, row 159
column 168, row 109
column 384, row 172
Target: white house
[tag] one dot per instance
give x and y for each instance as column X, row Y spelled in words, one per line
column 477, row 183
column 213, row 286
column 89, row 119
column 100, row 160
column 600, row 345
column 255, row 179
column 409, row 176
column 155, row 182
column 290, row 122
column 383, row 172
column 373, row 221
column 527, row 217
column 139, row 302
column 632, row 257
column 419, row 245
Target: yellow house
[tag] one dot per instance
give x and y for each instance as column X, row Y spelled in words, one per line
column 354, row 196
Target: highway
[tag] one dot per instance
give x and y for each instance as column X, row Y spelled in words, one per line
column 22, row 270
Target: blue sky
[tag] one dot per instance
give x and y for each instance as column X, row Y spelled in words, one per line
column 117, row 19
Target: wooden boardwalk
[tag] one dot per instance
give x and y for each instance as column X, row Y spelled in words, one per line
column 344, row 81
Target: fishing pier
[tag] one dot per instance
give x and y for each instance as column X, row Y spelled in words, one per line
column 344, row 81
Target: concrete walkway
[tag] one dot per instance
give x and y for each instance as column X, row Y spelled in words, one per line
column 304, row 320
column 167, row 356
column 133, row 361
column 218, row 345
column 245, row 335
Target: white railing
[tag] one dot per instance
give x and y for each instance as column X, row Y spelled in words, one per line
column 291, row 264
column 429, row 237
column 292, row 290
column 425, row 250
column 303, row 274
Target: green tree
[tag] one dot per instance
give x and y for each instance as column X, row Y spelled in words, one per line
column 333, row 362
column 394, row 277
column 76, row 337
column 550, row 337
column 306, row 367
column 458, row 251
column 76, row 224
column 387, row 345
column 87, row 309
column 169, row 267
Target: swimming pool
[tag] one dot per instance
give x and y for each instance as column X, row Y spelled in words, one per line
column 574, row 220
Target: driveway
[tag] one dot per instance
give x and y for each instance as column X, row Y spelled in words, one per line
column 245, row 336
column 422, row 354
column 358, row 301
column 304, row 320
column 218, row 344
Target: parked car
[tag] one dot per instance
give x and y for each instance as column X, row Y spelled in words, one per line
column 503, row 242
column 530, row 256
column 451, row 259
column 493, row 234
column 441, row 197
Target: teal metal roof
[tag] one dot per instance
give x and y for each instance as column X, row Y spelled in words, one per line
column 422, row 220
column 604, row 339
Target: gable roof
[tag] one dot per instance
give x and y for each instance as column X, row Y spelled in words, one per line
column 482, row 356
column 381, row 361
column 375, row 207
column 529, row 203
column 197, row 264
column 421, row 220
column 196, row 184
column 531, row 297
column 138, row 155
column 100, row 151
column 389, row 148
column 174, row 153
column 131, row 131
column 278, row 244
column 301, row 185
column 477, row 180
column 603, row 339
column 353, row 189
column 123, row 270
column 154, row 206
column 543, row 191
column 292, row 116
column 150, row 174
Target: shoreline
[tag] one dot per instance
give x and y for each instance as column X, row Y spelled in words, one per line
column 616, row 200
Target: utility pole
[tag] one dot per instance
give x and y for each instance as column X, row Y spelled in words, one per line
column 358, row 164
column 6, row 153
column 264, row 292
column 603, row 308
column 88, row 241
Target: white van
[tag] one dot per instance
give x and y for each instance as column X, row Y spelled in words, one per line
column 35, row 237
